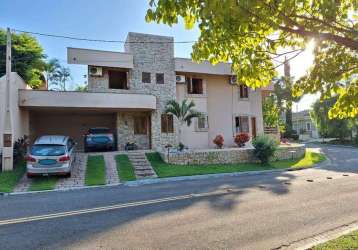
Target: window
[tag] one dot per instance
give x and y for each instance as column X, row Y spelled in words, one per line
column 242, row 124
column 244, row 91
column 308, row 125
column 167, row 123
column 140, row 125
column 195, row 86
column 202, row 123
column 160, row 78
column 117, row 79
column 146, row 77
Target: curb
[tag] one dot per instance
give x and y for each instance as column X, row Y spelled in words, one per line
column 62, row 190
column 319, row 238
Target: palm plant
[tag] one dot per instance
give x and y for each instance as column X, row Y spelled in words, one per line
column 183, row 111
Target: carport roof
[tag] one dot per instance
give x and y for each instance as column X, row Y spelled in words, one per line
column 85, row 100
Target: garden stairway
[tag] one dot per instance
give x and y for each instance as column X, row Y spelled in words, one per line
column 142, row 167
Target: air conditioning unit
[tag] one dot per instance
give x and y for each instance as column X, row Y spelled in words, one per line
column 180, row 78
column 233, row 80
column 95, row 71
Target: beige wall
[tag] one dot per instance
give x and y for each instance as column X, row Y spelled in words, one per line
column 71, row 99
column 99, row 58
column 19, row 117
column 221, row 103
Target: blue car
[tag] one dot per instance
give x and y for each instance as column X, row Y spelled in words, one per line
column 99, row 139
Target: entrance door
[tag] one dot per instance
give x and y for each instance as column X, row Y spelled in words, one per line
column 253, row 125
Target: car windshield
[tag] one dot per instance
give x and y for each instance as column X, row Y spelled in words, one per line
column 99, row 131
column 47, row 150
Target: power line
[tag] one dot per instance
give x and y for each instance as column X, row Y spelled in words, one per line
column 97, row 40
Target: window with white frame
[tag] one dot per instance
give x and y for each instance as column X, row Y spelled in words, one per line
column 242, row 124
column 202, row 123
column 195, row 86
column 243, row 91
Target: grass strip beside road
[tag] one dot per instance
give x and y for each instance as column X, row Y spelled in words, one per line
column 43, row 183
column 349, row 241
column 95, row 171
column 9, row 179
column 164, row 169
column 125, row 168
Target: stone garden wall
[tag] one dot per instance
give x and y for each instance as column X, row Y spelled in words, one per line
column 229, row 155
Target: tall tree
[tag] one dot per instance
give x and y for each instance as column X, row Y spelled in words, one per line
column 183, row 111
column 253, row 33
column 27, row 57
column 283, row 88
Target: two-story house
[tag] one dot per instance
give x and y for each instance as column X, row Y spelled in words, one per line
column 128, row 93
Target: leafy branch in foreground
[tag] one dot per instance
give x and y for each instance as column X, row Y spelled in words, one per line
column 251, row 35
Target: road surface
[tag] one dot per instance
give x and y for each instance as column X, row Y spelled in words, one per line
column 244, row 212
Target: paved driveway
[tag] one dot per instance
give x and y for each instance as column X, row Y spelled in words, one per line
column 247, row 212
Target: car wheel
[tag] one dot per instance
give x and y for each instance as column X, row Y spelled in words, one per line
column 68, row 175
column 29, row 175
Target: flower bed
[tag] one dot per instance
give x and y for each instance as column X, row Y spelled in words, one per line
column 229, row 155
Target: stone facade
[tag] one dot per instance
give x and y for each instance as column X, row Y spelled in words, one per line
column 152, row 54
column 229, row 155
column 125, row 130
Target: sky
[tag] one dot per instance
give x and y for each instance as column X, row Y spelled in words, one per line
column 108, row 20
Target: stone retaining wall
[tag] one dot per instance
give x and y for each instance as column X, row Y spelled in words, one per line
column 230, row 155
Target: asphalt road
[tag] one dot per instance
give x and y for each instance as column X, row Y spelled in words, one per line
column 243, row 212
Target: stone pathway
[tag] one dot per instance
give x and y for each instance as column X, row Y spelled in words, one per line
column 111, row 167
column 142, row 167
column 23, row 184
column 77, row 178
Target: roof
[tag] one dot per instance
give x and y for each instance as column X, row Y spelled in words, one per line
column 52, row 139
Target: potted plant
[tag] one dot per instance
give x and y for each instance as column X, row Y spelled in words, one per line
column 130, row 145
column 219, row 141
column 241, row 138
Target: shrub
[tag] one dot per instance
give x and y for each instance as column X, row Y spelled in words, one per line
column 265, row 147
column 219, row 141
column 241, row 139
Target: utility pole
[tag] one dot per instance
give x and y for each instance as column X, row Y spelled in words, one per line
column 7, row 154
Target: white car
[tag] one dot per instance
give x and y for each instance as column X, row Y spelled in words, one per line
column 51, row 155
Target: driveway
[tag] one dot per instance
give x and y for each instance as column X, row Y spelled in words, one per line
column 274, row 210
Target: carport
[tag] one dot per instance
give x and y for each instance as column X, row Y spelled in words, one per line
column 73, row 113
column 72, row 123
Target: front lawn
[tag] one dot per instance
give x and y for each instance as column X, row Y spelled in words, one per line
column 125, row 168
column 43, row 183
column 170, row 170
column 349, row 241
column 95, row 171
column 9, row 179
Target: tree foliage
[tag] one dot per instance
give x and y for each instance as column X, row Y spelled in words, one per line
column 335, row 128
column 253, row 33
column 184, row 112
column 271, row 112
column 27, row 57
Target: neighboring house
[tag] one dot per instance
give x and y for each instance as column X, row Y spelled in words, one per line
column 303, row 125
column 128, row 93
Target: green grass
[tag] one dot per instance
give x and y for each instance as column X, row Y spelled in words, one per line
column 95, row 171
column 43, row 183
column 170, row 170
column 9, row 179
column 125, row 168
column 349, row 241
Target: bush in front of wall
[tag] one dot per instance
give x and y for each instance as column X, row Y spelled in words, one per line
column 265, row 147
column 241, row 139
column 219, row 141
